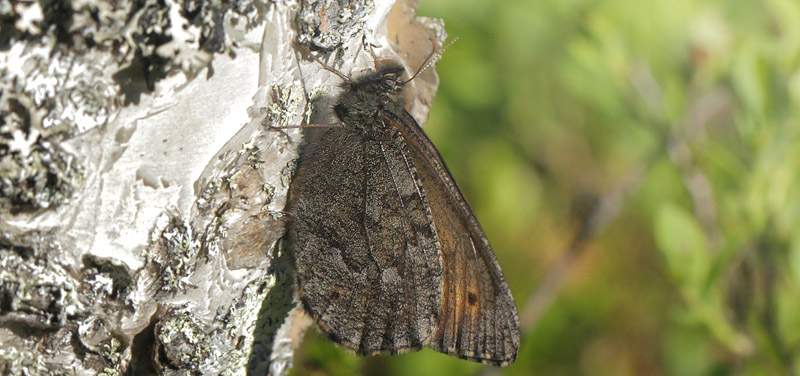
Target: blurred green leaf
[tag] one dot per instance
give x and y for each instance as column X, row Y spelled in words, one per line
column 683, row 244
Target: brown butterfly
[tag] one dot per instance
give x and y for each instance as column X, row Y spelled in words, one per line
column 389, row 256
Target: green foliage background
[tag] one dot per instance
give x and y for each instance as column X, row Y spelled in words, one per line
column 636, row 165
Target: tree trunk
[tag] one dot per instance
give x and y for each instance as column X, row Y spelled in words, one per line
column 146, row 149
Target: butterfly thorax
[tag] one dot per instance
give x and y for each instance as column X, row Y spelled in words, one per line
column 365, row 97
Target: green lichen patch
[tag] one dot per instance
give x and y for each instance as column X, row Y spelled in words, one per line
column 172, row 253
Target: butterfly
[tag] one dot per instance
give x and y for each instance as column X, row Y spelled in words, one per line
column 389, row 257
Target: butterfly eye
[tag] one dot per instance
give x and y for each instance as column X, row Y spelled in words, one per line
column 390, row 81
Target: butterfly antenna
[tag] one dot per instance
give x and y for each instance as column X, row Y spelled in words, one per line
column 433, row 58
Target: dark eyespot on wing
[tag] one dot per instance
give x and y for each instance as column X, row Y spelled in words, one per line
column 472, row 298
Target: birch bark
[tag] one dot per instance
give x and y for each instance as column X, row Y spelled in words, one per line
column 146, row 148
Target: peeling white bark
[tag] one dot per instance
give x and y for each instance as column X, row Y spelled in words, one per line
column 164, row 254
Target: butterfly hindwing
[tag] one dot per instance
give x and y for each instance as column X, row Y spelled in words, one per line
column 479, row 318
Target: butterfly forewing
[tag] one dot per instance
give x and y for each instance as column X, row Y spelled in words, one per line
column 479, row 318
column 370, row 276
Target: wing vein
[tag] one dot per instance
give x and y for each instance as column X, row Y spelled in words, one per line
column 405, row 231
column 365, row 319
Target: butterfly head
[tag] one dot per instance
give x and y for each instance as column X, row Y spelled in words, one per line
column 363, row 97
